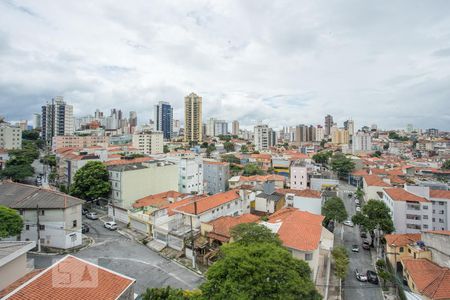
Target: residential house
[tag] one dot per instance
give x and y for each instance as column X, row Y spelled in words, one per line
column 54, row 216
column 218, row 231
column 299, row 175
column 305, row 200
column 302, row 234
column 269, row 201
column 215, row 176
column 410, row 213
column 396, row 246
column 190, row 175
column 373, row 187
column 73, row 278
column 256, row 181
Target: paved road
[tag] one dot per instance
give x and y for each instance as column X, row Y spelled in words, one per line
column 352, row 288
column 125, row 256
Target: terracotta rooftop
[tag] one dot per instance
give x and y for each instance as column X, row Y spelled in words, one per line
column 73, row 278
column 19, row 282
column 362, row 172
column 399, row 194
column 262, row 178
column 440, row 194
column 308, row 193
column 443, row 232
column 127, row 161
column 222, row 225
column 298, row 229
column 402, row 239
column 374, row 180
column 206, row 203
column 157, row 199
column 430, row 279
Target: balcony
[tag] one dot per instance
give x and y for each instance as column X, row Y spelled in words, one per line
column 414, row 207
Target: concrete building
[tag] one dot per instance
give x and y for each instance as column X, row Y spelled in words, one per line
column 373, row 187
column 410, row 213
column 190, row 178
column 52, row 219
column 262, row 137
column 215, row 175
column 211, row 127
column 361, row 142
column 37, row 121
column 220, row 127
column 193, row 124
column 149, row 142
column 320, row 134
column 298, row 175
column 75, row 141
column 164, row 119
column 130, row 182
column 349, row 125
column 57, row 119
column 340, row 136
column 438, row 241
column 235, row 127
column 10, row 137
column 305, row 200
column 176, row 127
column 328, row 124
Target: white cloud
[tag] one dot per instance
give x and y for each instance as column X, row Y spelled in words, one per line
column 283, row 62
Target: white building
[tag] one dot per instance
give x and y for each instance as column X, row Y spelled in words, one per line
column 57, row 119
column 211, row 127
column 410, row 213
column 320, row 133
column 220, row 128
column 298, row 175
column 305, row 200
column 361, row 142
column 10, row 137
column 53, row 216
column 262, row 137
column 190, row 179
column 149, row 142
column 36, row 121
column 235, row 127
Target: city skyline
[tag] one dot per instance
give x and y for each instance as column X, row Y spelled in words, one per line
column 246, row 61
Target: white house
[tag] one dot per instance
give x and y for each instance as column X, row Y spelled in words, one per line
column 305, row 200
column 373, row 187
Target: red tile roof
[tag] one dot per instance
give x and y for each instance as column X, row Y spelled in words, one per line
column 299, row 230
column 19, row 282
column 362, row 172
column 308, row 193
column 262, row 178
column 374, row 180
column 440, row 194
column 221, row 226
column 443, row 232
column 206, row 203
column 210, row 162
column 430, row 279
column 156, row 199
column 73, row 278
column 399, row 194
column 127, row 161
column 402, row 239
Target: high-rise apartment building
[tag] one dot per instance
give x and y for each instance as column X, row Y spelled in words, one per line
column 349, row 125
column 304, row 133
column 328, row 124
column 149, row 142
column 211, row 127
column 361, row 142
column 133, row 119
column 262, row 137
column 320, row 133
column 57, row 119
column 193, row 125
column 235, row 127
column 339, row 136
column 164, row 119
column 221, row 127
column 10, row 137
column 36, row 121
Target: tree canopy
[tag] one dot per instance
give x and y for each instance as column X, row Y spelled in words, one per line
column 211, row 148
column 30, row 134
column 446, row 165
column 252, row 169
column 244, row 149
column 18, row 167
column 169, row 293
column 334, row 209
column 322, row 157
column 248, row 233
column 375, row 215
column 341, row 261
column 11, row 223
column 230, row 158
column 228, row 146
column 341, row 164
column 91, row 181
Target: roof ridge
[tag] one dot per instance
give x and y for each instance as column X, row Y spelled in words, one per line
column 436, row 282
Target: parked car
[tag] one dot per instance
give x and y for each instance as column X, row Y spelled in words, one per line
column 372, row 277
column 111, row 225
column 358, row 209
column 348, row 223
column 356, row 201
column 84, row 211
column 84, row 228
column 350, row 194
column 366, row 245
column 92, row 215
column 355, row 248
column 360, row 277
column 363, row 235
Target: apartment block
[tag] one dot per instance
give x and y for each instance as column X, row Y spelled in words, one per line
column 74, row 141
column 215, row 176
column 262, row 137
column 298, row 175
column 235, row 127
column 339, row 136
column 57, row 119
column 361, row 142
column 190, row 178
column 10, row 137
column 164, row 119
column 149, row 142
column 193, row 124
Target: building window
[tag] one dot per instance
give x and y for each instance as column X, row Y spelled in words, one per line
column 74, row 223
column 41, row 227
column 425, row 207
column 308, row 256
column 409, row 250
column 401, row 249
column 42, row 212
column 425, row 226
column 27, row 227
column 425, row 217
column 228, row 206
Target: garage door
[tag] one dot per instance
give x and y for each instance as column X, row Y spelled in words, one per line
column 139, row 226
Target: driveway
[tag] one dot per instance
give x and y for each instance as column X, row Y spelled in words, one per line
column 352, row 288
column 125, row 256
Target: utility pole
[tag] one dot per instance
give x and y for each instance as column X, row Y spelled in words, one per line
column 192, row 236
column 38, row 225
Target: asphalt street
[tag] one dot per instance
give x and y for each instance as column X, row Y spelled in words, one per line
column 125, row 256
column 352, row 288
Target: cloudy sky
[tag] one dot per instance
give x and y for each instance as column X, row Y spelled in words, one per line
column 280, row 62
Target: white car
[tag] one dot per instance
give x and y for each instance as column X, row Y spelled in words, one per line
column 348, row 223
column 111, row 225
column 92, row 215
column 361, row 277
column 358, row 209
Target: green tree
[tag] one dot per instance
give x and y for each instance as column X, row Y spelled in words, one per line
column 49, row 160
column 211, row 148
column 228, row 146
column 341, row 261
column 376, row 154
column 334, row 209
column 166, row 149
column 244, row 149
column 226, row 138
column 375, row 215
column 248, row 233
column 169, row 293
column 204, row 145
column 322, row 157
column 359, row 194
column 446, row 165
column 91, row 181
column 17, row 172
column 342, row 165
column 230, row 158
column 258, row 271
column 30, row 135
column 383, row 273
column 11, row 223
column 252, row 169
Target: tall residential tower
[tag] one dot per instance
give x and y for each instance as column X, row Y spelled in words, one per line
column 57, row 119
column 164, row 119
column 193, row 125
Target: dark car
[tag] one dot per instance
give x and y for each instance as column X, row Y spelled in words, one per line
column 84, row 228
column 372, row 277
column 84, row 211
column 366, row 245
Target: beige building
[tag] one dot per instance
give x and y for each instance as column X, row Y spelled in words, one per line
column 131, row 182
column 10, row 137
column 235, row 127
column 193, row 125
column 73, row 141
column 13, row 262
column 340, row 136
column 149, row 142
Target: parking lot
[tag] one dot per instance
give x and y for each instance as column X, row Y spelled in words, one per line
column 123, row 255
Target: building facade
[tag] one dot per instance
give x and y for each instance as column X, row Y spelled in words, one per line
column 262, row 137
column 235, row 127
column 57, row 119
column 193, row 124
column 190, row 178
column 164, row 119
column 10, row 137
column 328, row 124
column 220, row 127
column 215, row 175
column 361, row 142
column 149, row 142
